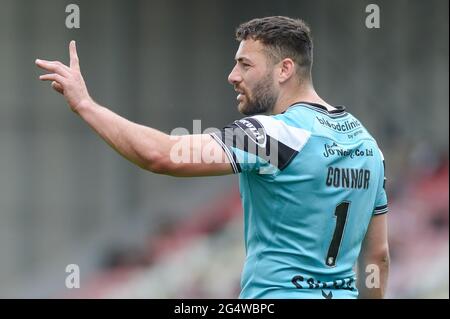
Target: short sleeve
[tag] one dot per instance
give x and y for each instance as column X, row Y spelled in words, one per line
column 381, row 201
column 261, row 143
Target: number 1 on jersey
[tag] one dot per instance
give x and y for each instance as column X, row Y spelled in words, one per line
column 341, row 217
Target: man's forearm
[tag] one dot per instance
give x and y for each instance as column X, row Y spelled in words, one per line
column 146, row 147
column 141, row 145
column 372, row 284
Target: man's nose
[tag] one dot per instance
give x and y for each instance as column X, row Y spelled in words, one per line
column 234, row 77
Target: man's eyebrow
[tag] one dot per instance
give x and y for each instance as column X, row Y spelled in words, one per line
column 243, row 59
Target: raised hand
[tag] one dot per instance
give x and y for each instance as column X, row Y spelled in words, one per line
column 67, row 80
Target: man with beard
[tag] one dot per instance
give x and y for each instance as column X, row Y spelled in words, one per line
column 311, row 176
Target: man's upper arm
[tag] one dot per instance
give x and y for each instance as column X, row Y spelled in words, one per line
column 260, row 143
column 195, row 155
column 373, row 260
column 375, row 244
column 376, row 239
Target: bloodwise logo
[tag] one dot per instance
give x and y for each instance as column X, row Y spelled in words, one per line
column 339, row 126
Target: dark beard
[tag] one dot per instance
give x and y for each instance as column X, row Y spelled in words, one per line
column 263, row 98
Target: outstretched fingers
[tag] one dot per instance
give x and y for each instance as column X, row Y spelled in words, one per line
column 53, row 77
column 54, row 66
column 74, row 61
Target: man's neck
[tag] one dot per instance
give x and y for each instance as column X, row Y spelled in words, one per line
column 304, row 95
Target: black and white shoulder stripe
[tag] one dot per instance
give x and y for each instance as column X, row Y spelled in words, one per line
column 264, row 136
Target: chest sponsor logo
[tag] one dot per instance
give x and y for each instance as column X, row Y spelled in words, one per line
column 336, row 150
column 342, row 127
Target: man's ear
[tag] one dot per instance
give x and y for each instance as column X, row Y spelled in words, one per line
column 286, row 70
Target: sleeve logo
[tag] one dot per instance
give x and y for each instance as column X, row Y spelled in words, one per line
column 254, row 130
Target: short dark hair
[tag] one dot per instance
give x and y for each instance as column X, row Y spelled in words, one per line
column 284, row 38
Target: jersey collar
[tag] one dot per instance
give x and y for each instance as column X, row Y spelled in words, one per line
column 340, row 110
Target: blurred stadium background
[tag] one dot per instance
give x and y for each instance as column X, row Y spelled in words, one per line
column 67, row 198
